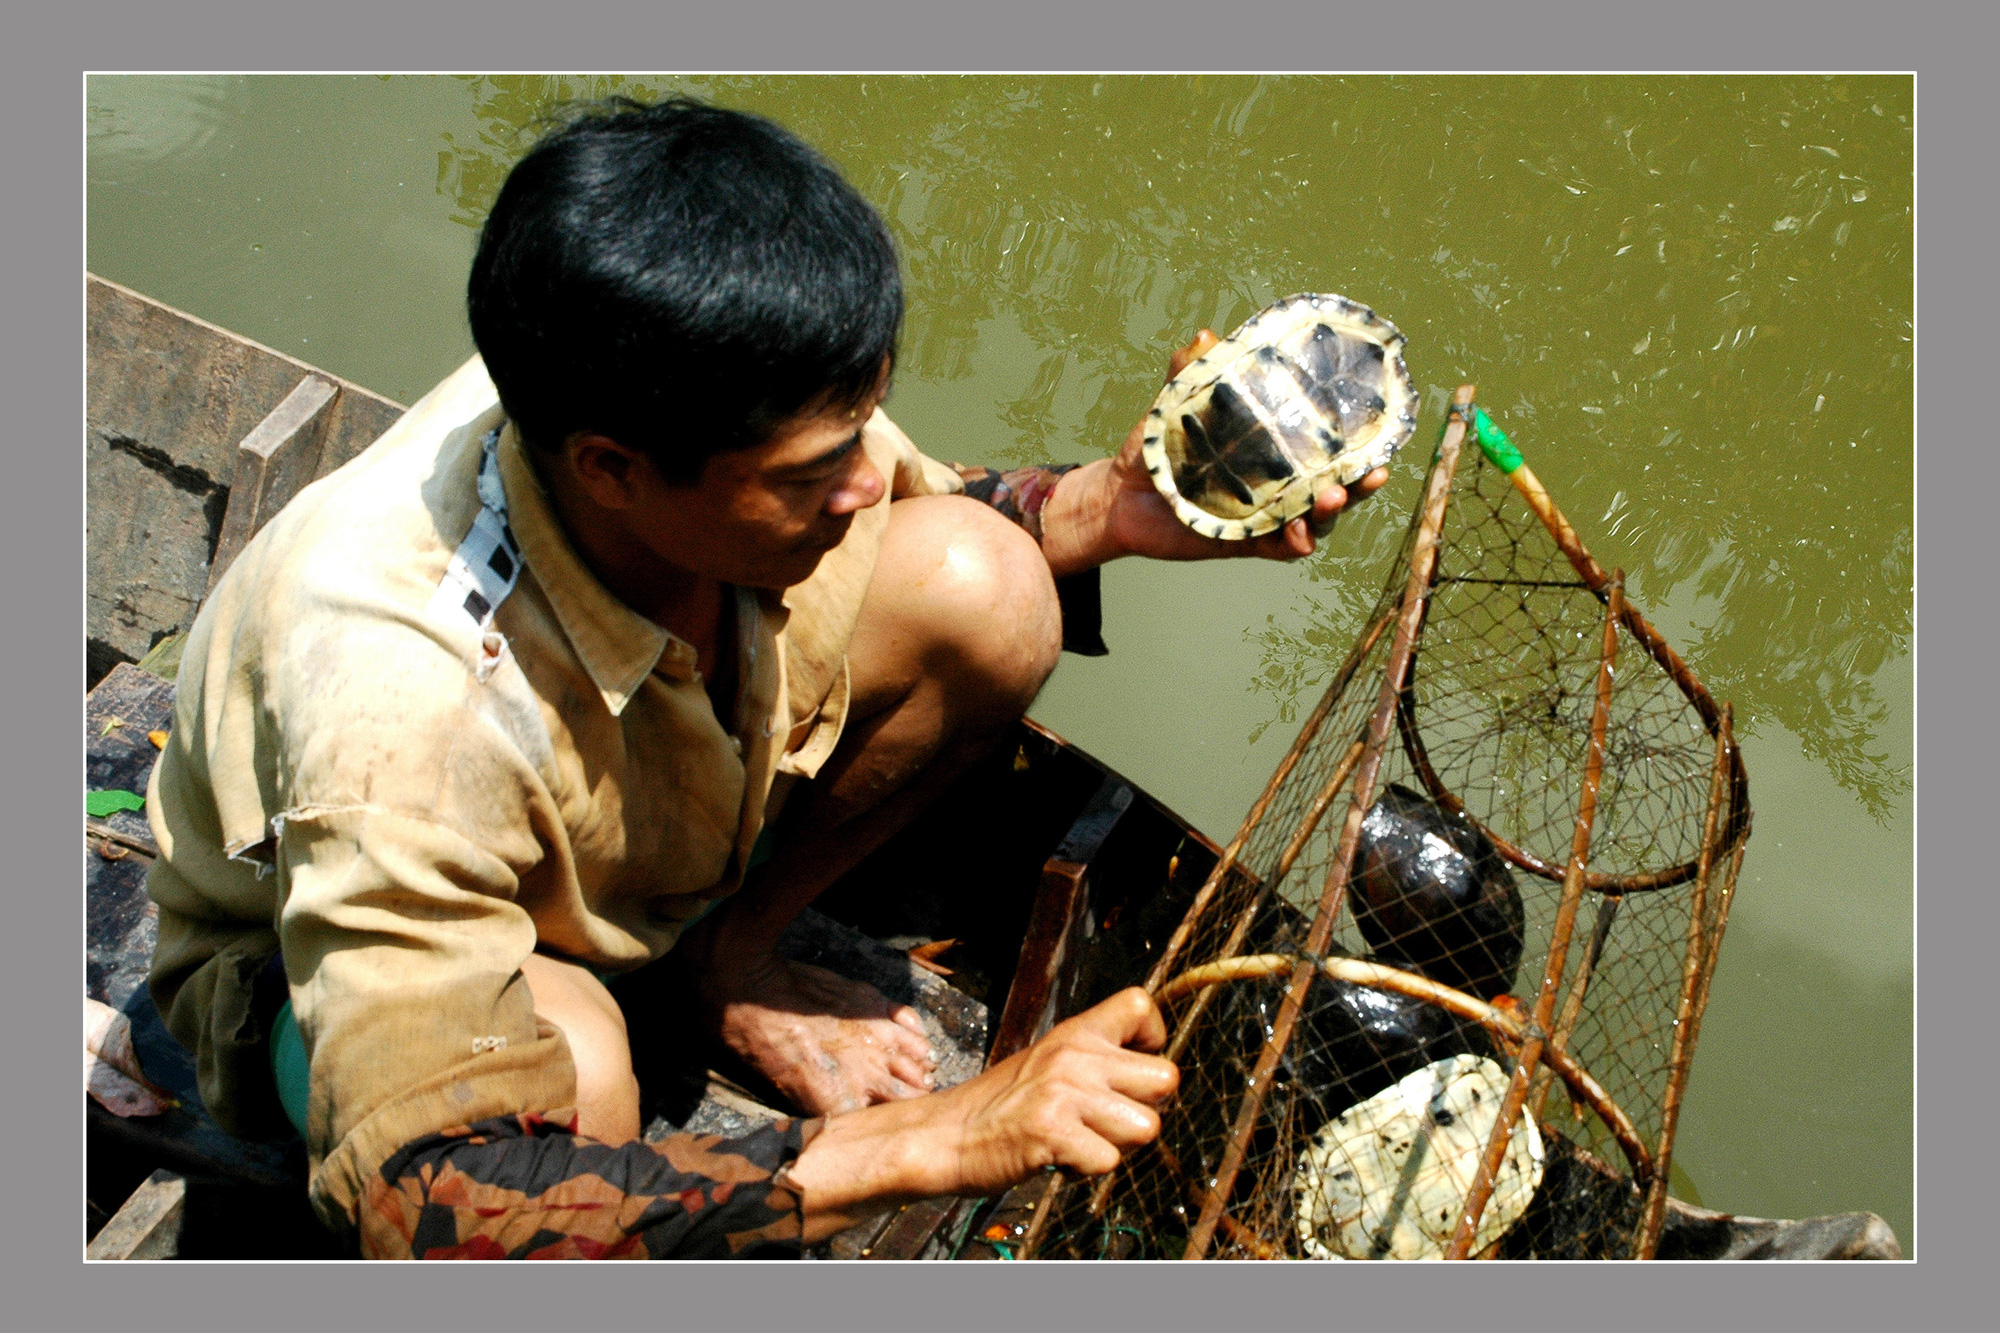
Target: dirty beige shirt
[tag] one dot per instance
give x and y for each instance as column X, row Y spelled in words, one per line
column 410, row 802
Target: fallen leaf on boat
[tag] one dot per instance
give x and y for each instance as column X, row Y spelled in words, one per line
column 112, row 726
column 158, row 738
column 111, row 1073
column 925, row 955
column 99, row 804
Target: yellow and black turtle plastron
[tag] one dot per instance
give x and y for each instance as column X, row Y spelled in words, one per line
column 522, row 1187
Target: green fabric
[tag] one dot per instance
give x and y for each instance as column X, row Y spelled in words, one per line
column 765, row 847
column 1493, row 442
column 99, row 804
column 288, row 1066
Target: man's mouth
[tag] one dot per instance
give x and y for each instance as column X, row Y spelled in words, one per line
column 826, row 541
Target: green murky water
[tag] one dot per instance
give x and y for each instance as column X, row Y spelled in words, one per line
column 1689, row 300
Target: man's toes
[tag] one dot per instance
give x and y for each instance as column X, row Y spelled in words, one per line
column 904, row 1016
column 890, row 1088
column 911, row 1072
column 912, row 1046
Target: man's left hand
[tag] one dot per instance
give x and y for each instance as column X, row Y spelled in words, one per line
column 1111, row 508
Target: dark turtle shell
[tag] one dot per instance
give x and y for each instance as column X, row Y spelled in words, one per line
column 1432, row 894
column 1309, row 391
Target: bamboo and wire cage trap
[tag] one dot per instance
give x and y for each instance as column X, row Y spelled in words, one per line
column 1507, row 709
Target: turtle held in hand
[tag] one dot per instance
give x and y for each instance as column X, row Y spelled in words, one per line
column 1310, row 391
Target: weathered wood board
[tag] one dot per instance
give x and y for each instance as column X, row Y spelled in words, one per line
column 148, row 1226
column 169, row 398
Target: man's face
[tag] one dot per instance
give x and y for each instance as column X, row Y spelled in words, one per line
column 763, row 517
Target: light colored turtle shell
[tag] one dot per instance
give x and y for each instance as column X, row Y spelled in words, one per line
column 1387, row 1179
column 1309, row 391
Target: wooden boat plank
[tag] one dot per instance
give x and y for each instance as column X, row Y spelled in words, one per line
column 119, row 717
column 169, row 397
column 1060, row 914
column 121, row 923
column 148, row 1225
column 156, row 373
column 275, row 461
column 1697, row 1233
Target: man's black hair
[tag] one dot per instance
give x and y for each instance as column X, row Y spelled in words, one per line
column 681, row 278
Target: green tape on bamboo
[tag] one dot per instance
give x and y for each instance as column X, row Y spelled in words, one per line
column 1493, row 442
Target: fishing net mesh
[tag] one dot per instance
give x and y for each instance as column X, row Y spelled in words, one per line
column 1468, row 709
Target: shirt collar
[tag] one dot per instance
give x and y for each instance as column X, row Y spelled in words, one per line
column 618, row 647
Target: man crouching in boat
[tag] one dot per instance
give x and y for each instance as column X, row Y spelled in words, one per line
column 510, row 705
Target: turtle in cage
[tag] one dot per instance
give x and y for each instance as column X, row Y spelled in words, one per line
column 1431, row 893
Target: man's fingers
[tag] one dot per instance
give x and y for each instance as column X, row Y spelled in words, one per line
column 1186, row 356
column 1087, row 1153
column 1143, row 1078
column 1119, row 1121
column 1298, row 537
column 1129, row 1018
column 1290, row 542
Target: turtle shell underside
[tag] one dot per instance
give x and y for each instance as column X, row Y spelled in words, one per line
column 1311, row 390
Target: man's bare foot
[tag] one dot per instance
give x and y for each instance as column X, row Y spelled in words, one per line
column 828, row 1043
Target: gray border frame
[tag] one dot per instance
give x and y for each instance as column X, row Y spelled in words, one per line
column 44, row 341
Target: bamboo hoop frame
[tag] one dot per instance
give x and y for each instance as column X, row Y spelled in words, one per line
column 1597, row 881
column 1598, row 584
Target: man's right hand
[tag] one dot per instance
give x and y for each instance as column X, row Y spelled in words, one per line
column 1077, row 1099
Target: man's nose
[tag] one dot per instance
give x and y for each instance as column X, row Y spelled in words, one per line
column 862, row 487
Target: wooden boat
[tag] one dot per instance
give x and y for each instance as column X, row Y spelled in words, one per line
column 1066, row 877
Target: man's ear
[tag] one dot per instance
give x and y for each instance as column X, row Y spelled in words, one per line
column 607, row 471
